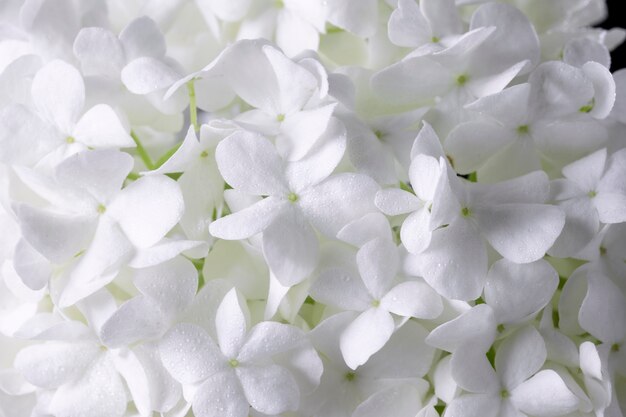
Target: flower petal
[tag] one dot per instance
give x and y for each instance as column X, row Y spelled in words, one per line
column 142, row 37
column 366, row 335
column 249, row 162
column 147, row 209
column 415, row 232
column 269, row 389
column 249, row 221
column 544, row 395
column 413, row 299
column 299, row 132
column 220, row 395
column 189, row 354
column 59, row 94
column 603, row 310
column 145, row 75
column 100, row 127
column 520, row 356
column 476, row 326
column 231, row 324
column 378, row 262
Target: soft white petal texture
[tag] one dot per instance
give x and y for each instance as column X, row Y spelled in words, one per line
column 587, row 172
column 603, row 310
column 362, row 230
column 300, row 131
column 400, row 401
column 269, row 338
column 231, row 325
column 424, row 173
column 415, row 232
column 53, row 364
column 521, row 232
column 189, row 354
column 137, row 319
column 25, row 138
column 147, row 209
column 231, row 11
column 145, row 75
column 269, row 389
column 249, row 221
column 100, row 127
column 58, row 237
column 31, row 266
column 321, row 160
column 604, row 86
column 520, row 356
column 99, row 52
column 131, row 369
column 59, row 94
column 443, row 17
column 142, row 37
column 512, row 27
column 581, row 226
column 378, row 261
column 474, row 405
column 294, row 34
column 341, row 288
column 171, row 284
column 455, row 263
column 366, row 335
column 477, row 325
column 408, row 26
column 357, row 16
column 164, row 390
column 249, row 162
column 394, row 201
column 413, row 299
column 98, row 265
column 611, row 207
column 472, row 371
column 101, row 173
column 101, row 392
column 338, row 200
column 515, row 291
column 471, row 144
column 220, row 395
column 290, row 247
column 544, row 395
column 579, row 51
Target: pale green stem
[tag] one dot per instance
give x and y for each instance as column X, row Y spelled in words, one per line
column 193, row 109
column 142, row 152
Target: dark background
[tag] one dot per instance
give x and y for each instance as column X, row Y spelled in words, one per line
column 615, row 19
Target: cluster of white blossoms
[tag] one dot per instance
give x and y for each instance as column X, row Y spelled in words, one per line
column 311, row 208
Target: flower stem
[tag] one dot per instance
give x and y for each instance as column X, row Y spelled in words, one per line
column 193, row 109
column 142, row 151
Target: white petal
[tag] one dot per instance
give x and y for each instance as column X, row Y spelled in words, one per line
column 135, row 320
column 294, row 34
column 427, row 142
column 147, row 209
column 145, row 75
column 321, row 160
column 269, row 338
column 579, row 51
column 31, row 266
column 99, row 264
column 611, row 207
column 443, row 16
column 101, row 128
column 378, row 262
column 413, row 299
column 407, row 25
column 249, row 221
column 359, row 17
column 399, row 401
column 59, row 94
column 102, row 172
column 99, row 52
column 58, row 237
column 455, row 262
column 290, row 247
column 300, row 131
column 474, row 405
column 142, row 37
column 520, row 356
column 521, row 233
column 394, row 201
column 362, row 230
column 477, row 325
column 472, row 371
column 337, row 201
column 220, row 395
column 25, row 138
column 172, row 284
column 51, row 365
column 249, row 162
column 101, row 391
column 604, row 86
column 587, row 171
column 230, row 324
column 415, row 232
column 131, row 369
column 366, row 335
column 189, row 354
column 544, row 395
column 603, row 310
column 516, row 291
column 341, row 288
column 424, row 173
column 295, row 83
column 581, row 226
column 472, row 143
column 269, row 389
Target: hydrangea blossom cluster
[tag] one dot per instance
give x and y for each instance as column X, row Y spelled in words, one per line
column 311, row 208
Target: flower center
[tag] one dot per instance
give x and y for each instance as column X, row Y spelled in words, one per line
column 233, row 363
column 101, row 208
column 204, row 154
column 466, row 212
column 522, row 129
column 462, row 79
column 350, row 376
column 70, row 139
column 504, row 393
column 293, row 197
column 280, row 117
